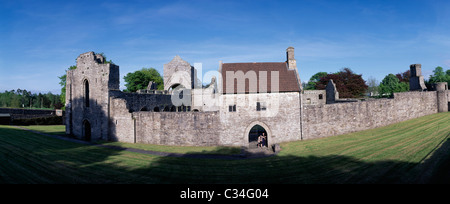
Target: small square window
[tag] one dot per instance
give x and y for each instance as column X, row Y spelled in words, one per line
column 260, row 106
column 232, row 108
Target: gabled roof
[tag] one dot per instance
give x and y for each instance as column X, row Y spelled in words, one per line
column 287, row 78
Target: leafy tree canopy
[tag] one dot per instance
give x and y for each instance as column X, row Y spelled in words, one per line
column 348, row 84
column 439, row 76
column 404, row 77
column 140, row 79
column 62, row 82
column 25, row 99
column 391, row 84
column 311, row 85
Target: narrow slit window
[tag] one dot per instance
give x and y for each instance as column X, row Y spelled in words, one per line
column 86, row 93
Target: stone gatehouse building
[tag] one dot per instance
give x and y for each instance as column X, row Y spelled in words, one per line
column 247, row 99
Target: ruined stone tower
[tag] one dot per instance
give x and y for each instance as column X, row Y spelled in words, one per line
column 179, row 73
column 87, row 97
column 442, row 98
column 331, row 92
column 416, row 82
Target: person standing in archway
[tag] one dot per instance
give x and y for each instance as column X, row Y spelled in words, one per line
column 263, row 140
column 260, row 141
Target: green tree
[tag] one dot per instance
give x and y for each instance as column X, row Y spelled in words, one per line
column 311, row 85
column 439, row 76
column 25, row 99
column 62, row 82
column 140, row 79
column 391, row 84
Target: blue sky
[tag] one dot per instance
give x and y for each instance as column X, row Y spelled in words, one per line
column 39, row 40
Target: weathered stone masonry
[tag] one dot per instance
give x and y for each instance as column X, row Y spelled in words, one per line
column 97, row 110
column 341, row 118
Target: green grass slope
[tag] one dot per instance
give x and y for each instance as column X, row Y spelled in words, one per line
column 414, row 151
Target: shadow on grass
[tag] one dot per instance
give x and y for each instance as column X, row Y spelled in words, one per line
column 30, row 158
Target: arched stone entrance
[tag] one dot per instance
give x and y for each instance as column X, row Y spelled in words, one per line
column 253, row 131
column 176, row 87
column 87, row 131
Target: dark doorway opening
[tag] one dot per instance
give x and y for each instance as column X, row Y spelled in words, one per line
column 254, row 134
column 87, row 131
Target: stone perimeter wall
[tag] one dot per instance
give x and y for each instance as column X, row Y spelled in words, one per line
column 223, row 128
column 341, row 118
column 178, row 128
column 281, row 119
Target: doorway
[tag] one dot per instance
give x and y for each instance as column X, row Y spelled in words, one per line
column 255, row 132
column 87, row 131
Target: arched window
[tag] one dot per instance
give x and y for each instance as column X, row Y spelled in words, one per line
column 156, row 109
column 166, row 109
column 176, row 87
column 86, row 93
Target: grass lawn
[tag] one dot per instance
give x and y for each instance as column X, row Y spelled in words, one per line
column 413, row 151
column 60, row 130
column 49, row 129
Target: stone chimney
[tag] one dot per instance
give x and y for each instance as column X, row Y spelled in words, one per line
column 292, row 63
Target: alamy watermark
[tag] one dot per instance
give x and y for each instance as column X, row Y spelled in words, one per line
column 242, row 92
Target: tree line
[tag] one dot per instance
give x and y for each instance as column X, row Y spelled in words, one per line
column 348, row 83
column 25, row 99
column 351, row 85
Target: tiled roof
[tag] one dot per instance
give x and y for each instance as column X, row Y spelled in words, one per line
column 287, row 78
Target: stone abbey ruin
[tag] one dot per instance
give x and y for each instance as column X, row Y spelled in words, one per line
column 245, row 100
